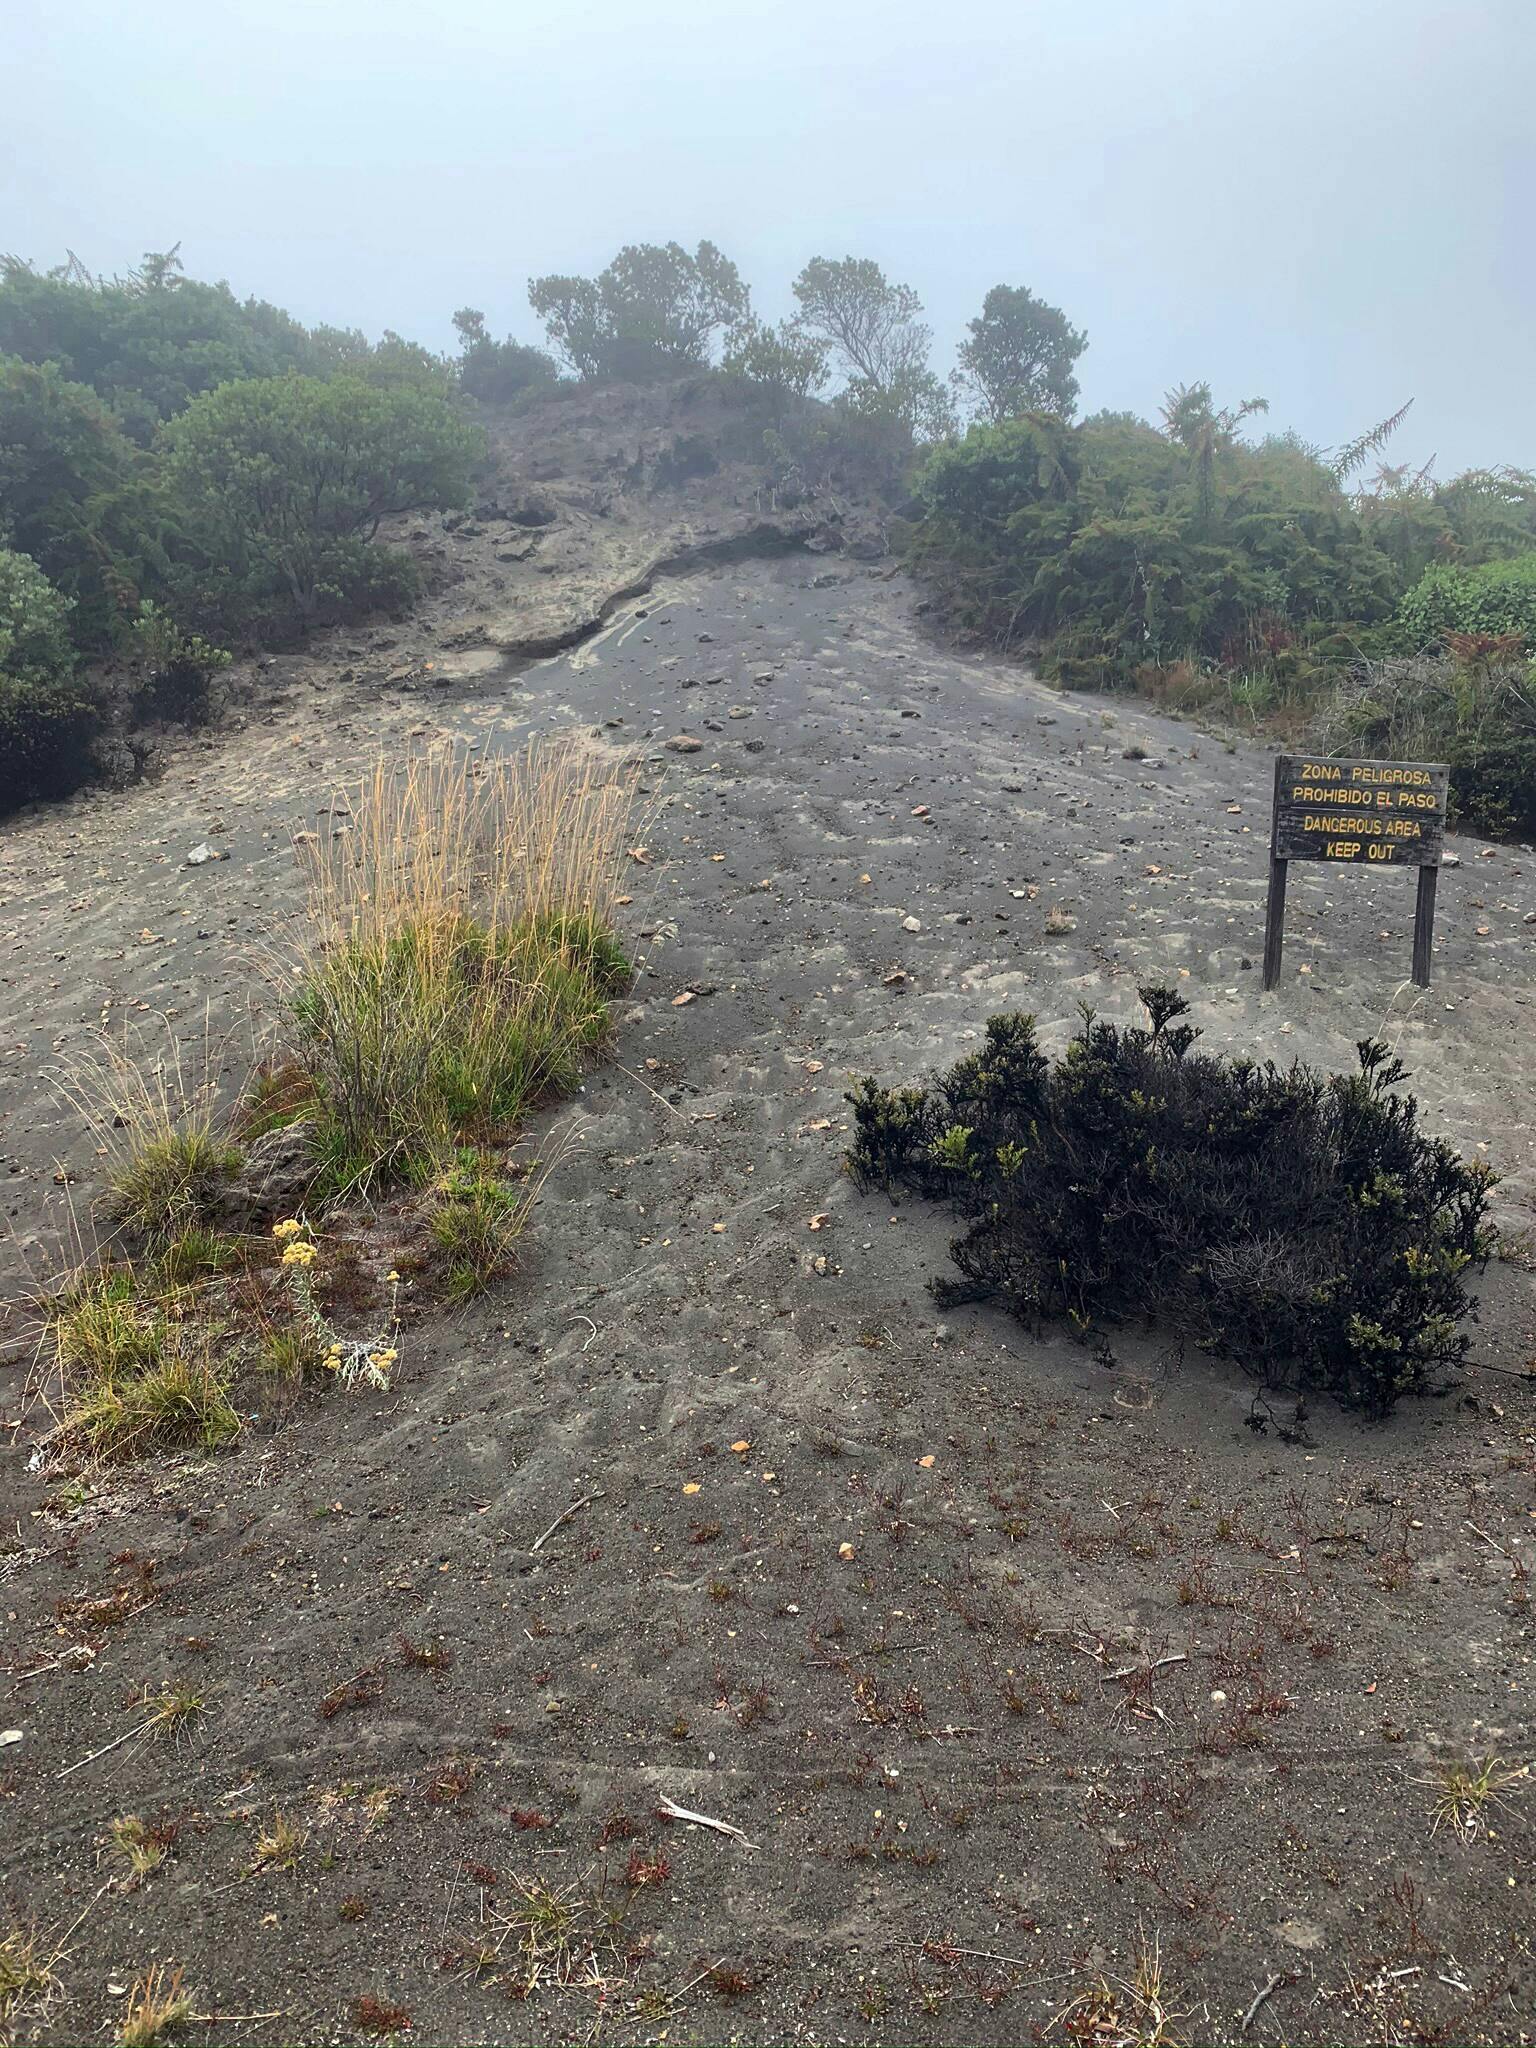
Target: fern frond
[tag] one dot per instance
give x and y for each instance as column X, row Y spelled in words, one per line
column 1346, row 460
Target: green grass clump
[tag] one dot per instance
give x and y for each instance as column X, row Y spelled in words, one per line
column 28, row 1980
column 100, row 1329
column 195, row 1254
column 161, row 1187
column 276, row 1096
column 441, row 1034
column 476, row 1222
column 182, row 1400
column 291, row 1355
column 134, row 1381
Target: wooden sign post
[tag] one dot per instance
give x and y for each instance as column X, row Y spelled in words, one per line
column 1374, row 814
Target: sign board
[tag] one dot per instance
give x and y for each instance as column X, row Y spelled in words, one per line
column 1373, row 814
column 1385, row 813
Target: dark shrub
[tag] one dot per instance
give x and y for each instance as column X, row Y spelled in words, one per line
column 47, row 717
column 1298, row 1222
column 175, row 668
column 46, row 730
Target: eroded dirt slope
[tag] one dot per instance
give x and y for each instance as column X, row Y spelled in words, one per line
column 883, row 1638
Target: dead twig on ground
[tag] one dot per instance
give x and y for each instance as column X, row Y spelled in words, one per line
column 80, row 1763
column 1143, row 1670
column 1248, row 2017
column 936, row 1946
column 673, row 1811
column 560, row 1520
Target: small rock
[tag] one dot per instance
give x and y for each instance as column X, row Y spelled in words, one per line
column 276, row 1174
column 684, row 743
column 201, row 855
column 911, row 924
column 742, row 711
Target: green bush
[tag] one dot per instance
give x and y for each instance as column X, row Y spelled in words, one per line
column 781, row 361
column 79, row 497
column 1496, row 600
column 1300, row 1223
column 653, row 313
column 287, row 480
column 177, row 667
column 146, row 343
column 47, row 718
column 499, row 372
column 1115, row 546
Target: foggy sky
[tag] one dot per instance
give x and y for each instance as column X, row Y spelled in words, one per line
column 1327, row 203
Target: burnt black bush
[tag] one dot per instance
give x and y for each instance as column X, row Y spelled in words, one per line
column 1298, row 1222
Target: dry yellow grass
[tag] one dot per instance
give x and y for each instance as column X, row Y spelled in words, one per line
column 446, row 834
column 455, row 956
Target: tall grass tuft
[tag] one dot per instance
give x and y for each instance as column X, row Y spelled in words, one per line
column 154, row 1120
column 456, row 960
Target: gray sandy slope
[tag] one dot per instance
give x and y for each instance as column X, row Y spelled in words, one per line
column 923, row 1737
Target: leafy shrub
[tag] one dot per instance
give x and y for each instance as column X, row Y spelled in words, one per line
column 1300, row 1223
column 1116, row 546
column 782, row 360
column 79, row 498
column 177, row 667
column 47, row 718
column 497, row 372
column 288, row 479
column 1495, row 600
column 654, row 312
column 147, row 343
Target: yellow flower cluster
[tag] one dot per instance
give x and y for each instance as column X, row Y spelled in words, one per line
column 382, row 1359
column 298, row 1253
column 290, row 1227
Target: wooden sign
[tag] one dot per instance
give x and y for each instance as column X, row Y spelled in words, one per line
column 1374, row 814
